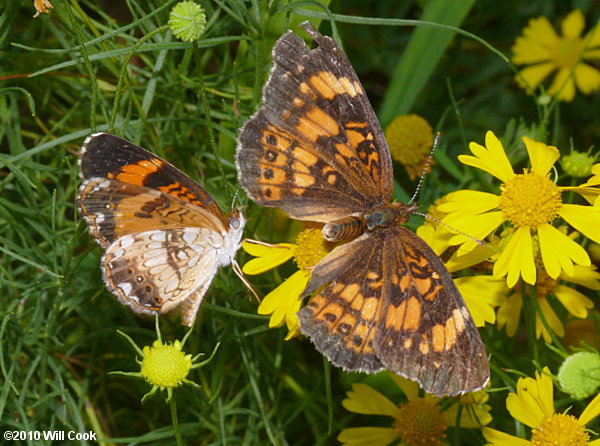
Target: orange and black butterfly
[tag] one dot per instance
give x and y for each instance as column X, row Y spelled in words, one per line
column 164, row 237
column 383, row 300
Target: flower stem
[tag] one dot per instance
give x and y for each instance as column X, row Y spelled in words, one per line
column 173, row 407
column 529, row 316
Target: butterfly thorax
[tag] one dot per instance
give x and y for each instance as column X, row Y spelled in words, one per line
column 353, row 226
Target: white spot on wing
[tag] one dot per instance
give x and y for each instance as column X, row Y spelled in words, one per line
column 126, row 241
column 126, row 288
column 189, row 237
column 159, row 236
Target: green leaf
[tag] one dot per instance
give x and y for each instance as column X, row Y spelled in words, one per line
column 424, row 51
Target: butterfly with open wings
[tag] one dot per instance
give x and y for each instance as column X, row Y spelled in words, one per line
column 382, row 299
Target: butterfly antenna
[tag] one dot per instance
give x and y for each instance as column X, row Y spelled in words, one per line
column 429, row 217
column 238, row 271
column 235, row 195
column 427, row 164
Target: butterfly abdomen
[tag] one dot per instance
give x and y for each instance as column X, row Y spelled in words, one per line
column 344, row 229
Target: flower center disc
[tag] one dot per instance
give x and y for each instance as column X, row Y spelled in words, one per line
column 530, row 200
column 559, row 430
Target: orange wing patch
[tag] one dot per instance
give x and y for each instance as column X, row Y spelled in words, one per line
column 328, row 85
column 316, row 123
column 136, row 173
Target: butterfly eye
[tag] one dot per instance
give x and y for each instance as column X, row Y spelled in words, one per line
column 234, row 223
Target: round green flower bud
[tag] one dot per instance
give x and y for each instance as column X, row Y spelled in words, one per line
column 579, row 374
column 577, row 164
column 187, row 21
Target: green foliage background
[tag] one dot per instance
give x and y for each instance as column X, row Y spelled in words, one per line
column 58, row 323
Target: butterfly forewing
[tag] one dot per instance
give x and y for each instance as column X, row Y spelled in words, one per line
column 108, row 156
column 114, row 209
column 314, row 136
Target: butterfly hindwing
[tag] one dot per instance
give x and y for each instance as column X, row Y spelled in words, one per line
column 155, row 271
column 425, row 331
column 389, row 302
column 315, row 137
column 341, row 319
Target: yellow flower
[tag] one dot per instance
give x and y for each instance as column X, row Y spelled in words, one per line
column 418, row 421
column 545, row 52
column 284, row 301
column 575, row 302
column 410, row 138
column 533, row 405
column 481, row 293
column 529, row 201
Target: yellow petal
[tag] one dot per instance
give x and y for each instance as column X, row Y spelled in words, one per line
column 590, row 194
column 583, row 218
column 591, row 54
column 468, row 202
column 559, row 251
column 284, row 301
column 590, row 412
column 531, row 77
column 563, row 85
column 261, row 249
column 497, row 438
column 477, row 226
column 586, row 276
column 533, row 400
column 592, row 38
column 410, row 388
column 366, row 400
column 373, row 436
column 517, row 259
column 509, row 314
column 572, row 25
column 540, row 30
column 527, row 51
column 478, row 254
column 575, row 302
column 587, row 78
column 267, row 256
column 436, row 238
column 542, row 157
column 491, row 158
column 482, row 294
column 551, row 319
